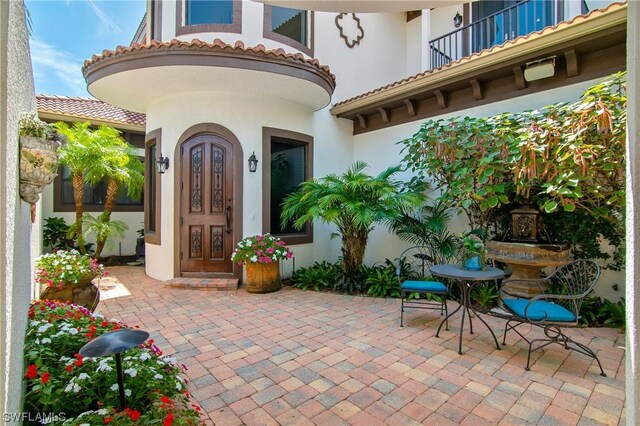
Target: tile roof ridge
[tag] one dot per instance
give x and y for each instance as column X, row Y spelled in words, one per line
column 580, row 17
column 65, row 97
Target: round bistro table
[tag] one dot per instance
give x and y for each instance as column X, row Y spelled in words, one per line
column 466, row 280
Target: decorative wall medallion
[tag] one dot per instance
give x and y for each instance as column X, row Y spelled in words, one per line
column 350, row 29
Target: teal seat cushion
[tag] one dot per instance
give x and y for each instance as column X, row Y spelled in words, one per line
column 539, row 310
column 426, row 286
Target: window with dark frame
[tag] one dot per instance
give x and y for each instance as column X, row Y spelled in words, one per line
column 288, row 163
column 152, row 188
column 291, row 23
column 200, row 12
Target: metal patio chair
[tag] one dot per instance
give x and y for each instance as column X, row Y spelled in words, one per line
column 553, row 312
column 414, row 276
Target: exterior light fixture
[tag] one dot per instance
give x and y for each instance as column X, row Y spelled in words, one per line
column 457, row 20
column 537, row 70
column 253, row 163
column 114, row 343
column 162, row 164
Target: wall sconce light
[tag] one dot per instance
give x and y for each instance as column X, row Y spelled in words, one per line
column 253, row 163
column 457, row 20
column 162, row 164
column 537, row 70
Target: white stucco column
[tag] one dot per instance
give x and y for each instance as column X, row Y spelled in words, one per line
column 426, row 36
column 633, row 216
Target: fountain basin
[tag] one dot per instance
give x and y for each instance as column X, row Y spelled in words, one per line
column 526, row 261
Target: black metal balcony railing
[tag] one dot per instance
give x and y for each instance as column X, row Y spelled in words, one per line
column 519, row 19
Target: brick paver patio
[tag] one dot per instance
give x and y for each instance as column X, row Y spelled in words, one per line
column 302, row 358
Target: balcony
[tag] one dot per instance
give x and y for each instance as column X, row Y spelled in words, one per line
column 520, row 19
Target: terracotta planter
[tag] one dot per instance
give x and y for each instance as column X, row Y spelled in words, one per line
column 38, row 166
column 84, row 293
column 263, row 277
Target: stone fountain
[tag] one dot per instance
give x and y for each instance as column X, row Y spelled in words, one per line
column 525, row 254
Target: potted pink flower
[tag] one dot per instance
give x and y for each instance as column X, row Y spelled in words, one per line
column 261, row 256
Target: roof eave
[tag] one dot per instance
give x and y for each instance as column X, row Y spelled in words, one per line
column 512, row 50
column 59, row 116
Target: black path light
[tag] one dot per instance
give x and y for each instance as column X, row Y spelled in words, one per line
column 114, row 343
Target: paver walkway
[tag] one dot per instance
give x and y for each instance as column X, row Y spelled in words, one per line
column 294, row 357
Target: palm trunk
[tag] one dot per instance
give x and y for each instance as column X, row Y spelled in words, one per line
column 353, row 247
column 78, row 186
column 105, row 217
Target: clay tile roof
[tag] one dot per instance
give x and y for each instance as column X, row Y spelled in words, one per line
column 88, row 108
column 217, row 46
column 485, row 52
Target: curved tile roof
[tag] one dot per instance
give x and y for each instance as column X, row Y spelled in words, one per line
column 88, row 108
column 484, row 52
column 199, row 45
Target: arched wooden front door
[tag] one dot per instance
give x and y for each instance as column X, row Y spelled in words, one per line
column 206, row 205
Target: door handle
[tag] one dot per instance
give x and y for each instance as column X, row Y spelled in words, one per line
column 228, row 218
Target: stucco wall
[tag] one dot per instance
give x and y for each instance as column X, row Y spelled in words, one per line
column 244, row 116
column 115, row 247
column 633, row 216
column 16, row 83
column 380, row 150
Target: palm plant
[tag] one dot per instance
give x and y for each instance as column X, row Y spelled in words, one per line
column 78, row 152
column 354, row 202
column 94, row 156
column 429, row 227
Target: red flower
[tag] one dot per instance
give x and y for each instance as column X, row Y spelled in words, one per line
column 32, row 371
column 134, row 414
column 45, row 377
column 168, row 421
column 69, row 368
column 78, row 360
column 107, row 420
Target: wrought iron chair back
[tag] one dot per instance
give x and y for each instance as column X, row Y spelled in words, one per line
column 558, row 306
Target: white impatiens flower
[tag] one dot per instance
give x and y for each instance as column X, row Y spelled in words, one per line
column 254, row 258
column 103, row 365
column 76, row 388
column 83, row 376
column 131, row 371
column 179, row 386
column 145, row 356
column 127, row 392
column 44, row 327
column 102, row 412
column 158, row 376
column 73, row 331
column 114, row 387
column 45, row 340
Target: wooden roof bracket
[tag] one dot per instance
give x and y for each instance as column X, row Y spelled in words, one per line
column 441, row 100
column 362, row 120
column 571, row 59
column 411, row 107
column 476, row 88
column 384, row 112
column 519, row 76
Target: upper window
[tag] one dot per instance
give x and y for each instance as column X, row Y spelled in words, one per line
column 196, row 16
column 289, row 26
column 287, row 163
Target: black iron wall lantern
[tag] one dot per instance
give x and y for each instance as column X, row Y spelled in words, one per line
column 162, row 164
column 253, row 163
column 457, row 20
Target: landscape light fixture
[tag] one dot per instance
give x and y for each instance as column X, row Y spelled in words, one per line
column 542, row 68
column 162, row 164
column 253, row 163
column 457, row 20
column 114, row 343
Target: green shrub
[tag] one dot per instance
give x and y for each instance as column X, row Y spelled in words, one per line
column 383, row 282
column 319, row 276
column 613, row 314
column 486, row 295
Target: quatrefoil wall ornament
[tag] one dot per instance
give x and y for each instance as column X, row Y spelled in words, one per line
column 350, row 29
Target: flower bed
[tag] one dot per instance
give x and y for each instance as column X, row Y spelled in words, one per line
column 65, row 267
column 60, row 380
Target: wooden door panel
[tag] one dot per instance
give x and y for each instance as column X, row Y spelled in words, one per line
column 206, row 204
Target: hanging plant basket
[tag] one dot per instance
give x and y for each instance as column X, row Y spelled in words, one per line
column 38, row 166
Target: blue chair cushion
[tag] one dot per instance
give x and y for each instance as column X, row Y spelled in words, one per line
column 425, row 286
column 539, row 310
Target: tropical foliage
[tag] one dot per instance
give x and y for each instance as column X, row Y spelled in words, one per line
column 354, row 202
column 93, row 156
column 570, row 156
